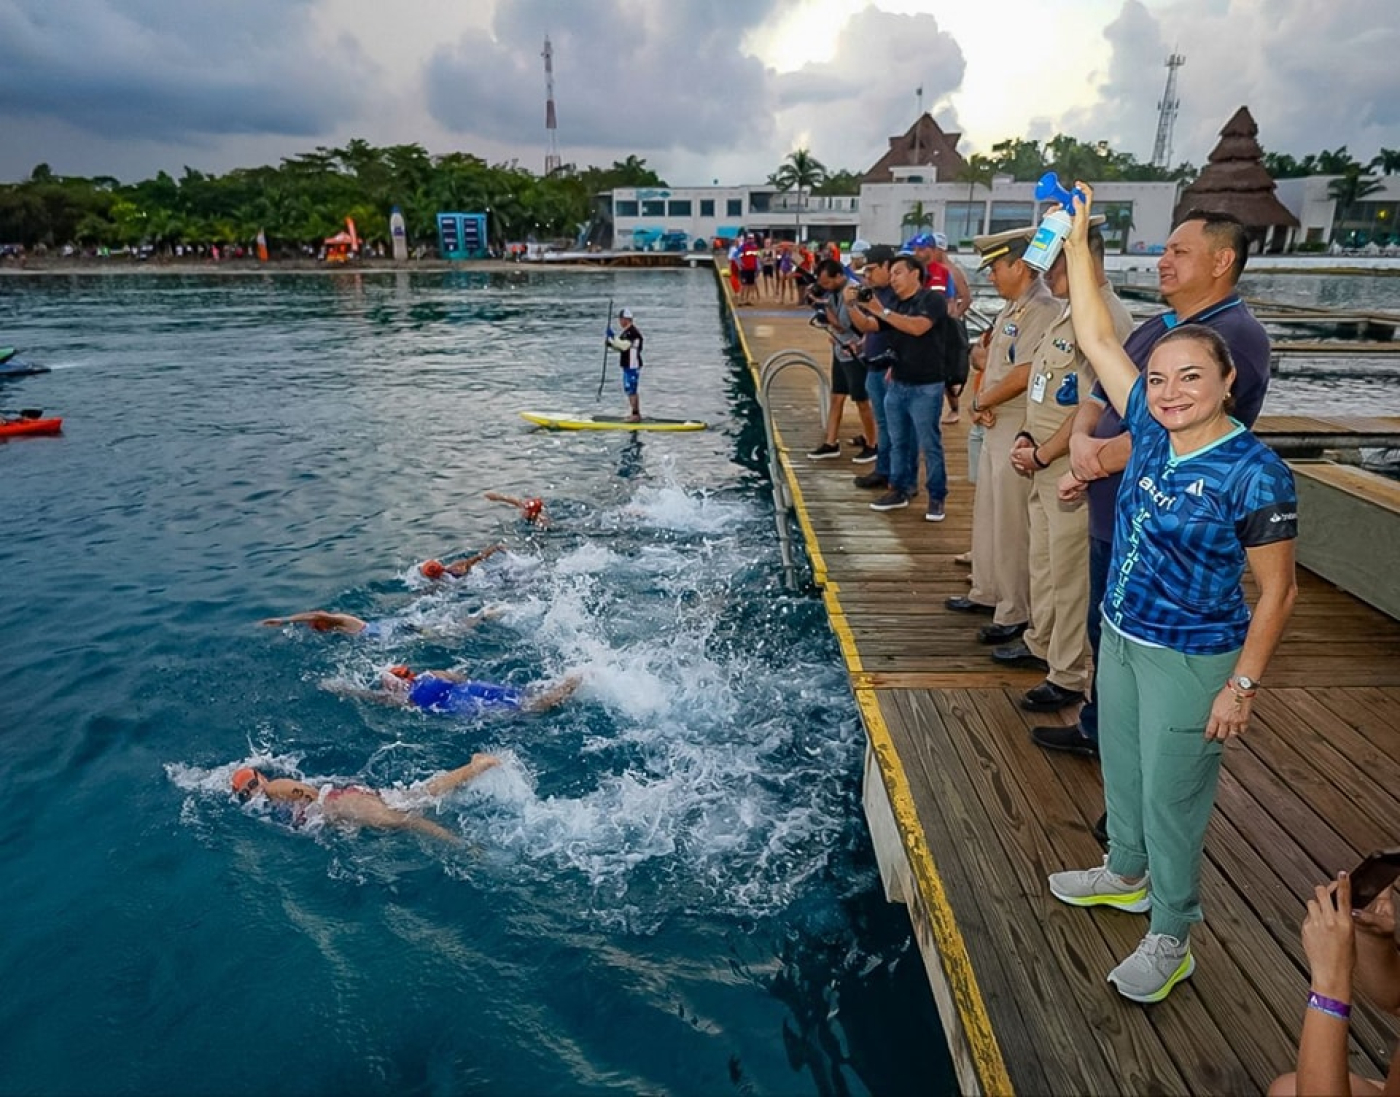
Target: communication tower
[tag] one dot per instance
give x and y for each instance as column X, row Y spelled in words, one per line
column 551, row 158
column 1166, row 115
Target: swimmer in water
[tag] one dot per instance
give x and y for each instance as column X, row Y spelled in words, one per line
column 355, row 805
column 321, row 620
column 531, row 510
column 453, row 692
column 436, row 569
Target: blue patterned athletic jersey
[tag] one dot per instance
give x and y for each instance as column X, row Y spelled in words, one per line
column 1181, row 527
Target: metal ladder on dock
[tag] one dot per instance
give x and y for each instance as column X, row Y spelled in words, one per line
column 782, row 497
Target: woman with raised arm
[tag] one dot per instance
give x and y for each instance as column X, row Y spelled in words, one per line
column 1182, row 656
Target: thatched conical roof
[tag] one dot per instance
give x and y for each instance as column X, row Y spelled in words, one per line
column 1235, row 180
column 934, row 147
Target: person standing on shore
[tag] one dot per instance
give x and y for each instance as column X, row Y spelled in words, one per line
column 628, row 343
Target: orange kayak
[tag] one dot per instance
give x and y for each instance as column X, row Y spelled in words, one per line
column 10, row 427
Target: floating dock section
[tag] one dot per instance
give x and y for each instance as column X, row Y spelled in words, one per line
column 968, row 817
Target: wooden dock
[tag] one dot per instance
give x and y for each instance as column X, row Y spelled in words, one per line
column 969, row 817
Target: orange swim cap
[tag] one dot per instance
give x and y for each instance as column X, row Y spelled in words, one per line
column 402, row 671
column 242, row 778
column 432, row 569
column 533, row 508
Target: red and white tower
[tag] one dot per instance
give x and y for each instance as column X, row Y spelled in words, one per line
column 551, row 158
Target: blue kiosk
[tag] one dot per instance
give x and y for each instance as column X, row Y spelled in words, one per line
column 462, row 235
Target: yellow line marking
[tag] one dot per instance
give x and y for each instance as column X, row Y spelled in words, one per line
column 957, row 964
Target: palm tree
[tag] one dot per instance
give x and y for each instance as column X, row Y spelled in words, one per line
column 803, row 171
column 1348, row 189
column 917, row 218
column 1388, row 161
column 978, row 169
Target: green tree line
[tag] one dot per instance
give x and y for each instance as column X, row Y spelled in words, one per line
column 306, row 198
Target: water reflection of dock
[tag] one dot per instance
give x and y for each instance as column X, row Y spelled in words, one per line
column 968, row 817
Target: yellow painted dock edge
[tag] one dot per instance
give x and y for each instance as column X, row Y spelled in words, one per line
column 957, row 964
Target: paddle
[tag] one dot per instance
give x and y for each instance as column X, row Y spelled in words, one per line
column 603, row 380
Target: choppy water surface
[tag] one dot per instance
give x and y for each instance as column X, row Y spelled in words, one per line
column 667, row 886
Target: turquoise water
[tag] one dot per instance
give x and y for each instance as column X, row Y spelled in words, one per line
column 666, row 888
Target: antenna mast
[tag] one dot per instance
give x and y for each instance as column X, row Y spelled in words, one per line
column 551, row 158
column 1166, row 115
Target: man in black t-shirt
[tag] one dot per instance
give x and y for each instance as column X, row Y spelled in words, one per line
column 916, row 325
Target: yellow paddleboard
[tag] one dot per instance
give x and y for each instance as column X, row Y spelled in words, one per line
column 575, row 421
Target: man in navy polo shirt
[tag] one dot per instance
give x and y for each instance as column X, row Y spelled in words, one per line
column 1197, row 275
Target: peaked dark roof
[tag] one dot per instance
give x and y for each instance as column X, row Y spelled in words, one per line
column 934, row 146
column 1234, row 179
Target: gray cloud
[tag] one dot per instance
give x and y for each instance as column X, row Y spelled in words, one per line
column 1314, row 76
column 175, row 71
column 852, row 104
column 628, row 74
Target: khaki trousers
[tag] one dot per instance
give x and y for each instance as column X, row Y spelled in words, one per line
column 1059, row 575
column 1000, row 527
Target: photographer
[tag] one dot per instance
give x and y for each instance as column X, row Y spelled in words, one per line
column 847, row 366
column 921, row 333
column 879, row 353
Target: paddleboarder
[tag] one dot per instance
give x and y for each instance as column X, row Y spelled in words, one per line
column 628, row 344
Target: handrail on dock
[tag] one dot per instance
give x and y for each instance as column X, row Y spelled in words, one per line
column 782, row 497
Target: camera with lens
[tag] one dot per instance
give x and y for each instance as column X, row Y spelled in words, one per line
column 864, row 294
column 819, row 318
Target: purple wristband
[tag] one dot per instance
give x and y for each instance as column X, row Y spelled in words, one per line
column 1330, row 1006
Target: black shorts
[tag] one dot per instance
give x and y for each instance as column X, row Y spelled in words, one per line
column 746, row 277
column 848, row 379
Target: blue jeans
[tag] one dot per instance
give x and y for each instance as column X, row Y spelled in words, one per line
column 875, row 387
column 912, row 412
column 1100, row 553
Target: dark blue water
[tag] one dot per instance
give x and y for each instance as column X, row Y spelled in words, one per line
column 666, row 888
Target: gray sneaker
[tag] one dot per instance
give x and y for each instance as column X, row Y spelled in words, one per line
column 1148, row 975
column 1097, row 887
column 935, row 511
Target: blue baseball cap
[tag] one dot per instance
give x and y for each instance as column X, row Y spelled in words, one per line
column 923, row 240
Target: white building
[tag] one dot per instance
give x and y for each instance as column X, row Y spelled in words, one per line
column 1139, row 214
column 1373, row 220
column 684, row 218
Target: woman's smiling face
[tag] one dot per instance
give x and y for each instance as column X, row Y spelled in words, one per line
column 1185, row 386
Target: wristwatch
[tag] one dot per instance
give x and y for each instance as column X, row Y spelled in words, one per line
column 1243, row 684
column 884, row 311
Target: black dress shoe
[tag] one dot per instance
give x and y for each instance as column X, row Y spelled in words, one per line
column 967, row 605
column 1048, row 697
column 1000, row 634
column 1067, row 739
column 1017, row 655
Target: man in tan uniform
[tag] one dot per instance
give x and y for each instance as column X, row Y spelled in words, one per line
column 1000, row 526
column 1058, row 638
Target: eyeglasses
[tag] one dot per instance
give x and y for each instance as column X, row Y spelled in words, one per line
column 246, row 792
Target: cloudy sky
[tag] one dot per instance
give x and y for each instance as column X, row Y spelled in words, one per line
column 702, row 89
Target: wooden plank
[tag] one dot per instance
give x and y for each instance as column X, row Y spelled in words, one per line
column 1306, row 791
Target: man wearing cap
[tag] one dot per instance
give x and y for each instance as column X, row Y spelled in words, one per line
column 848, row 373
column 1057, row 640
column 1000, row 523
column 945, row 277
column 628, row 343
column 878, row 354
